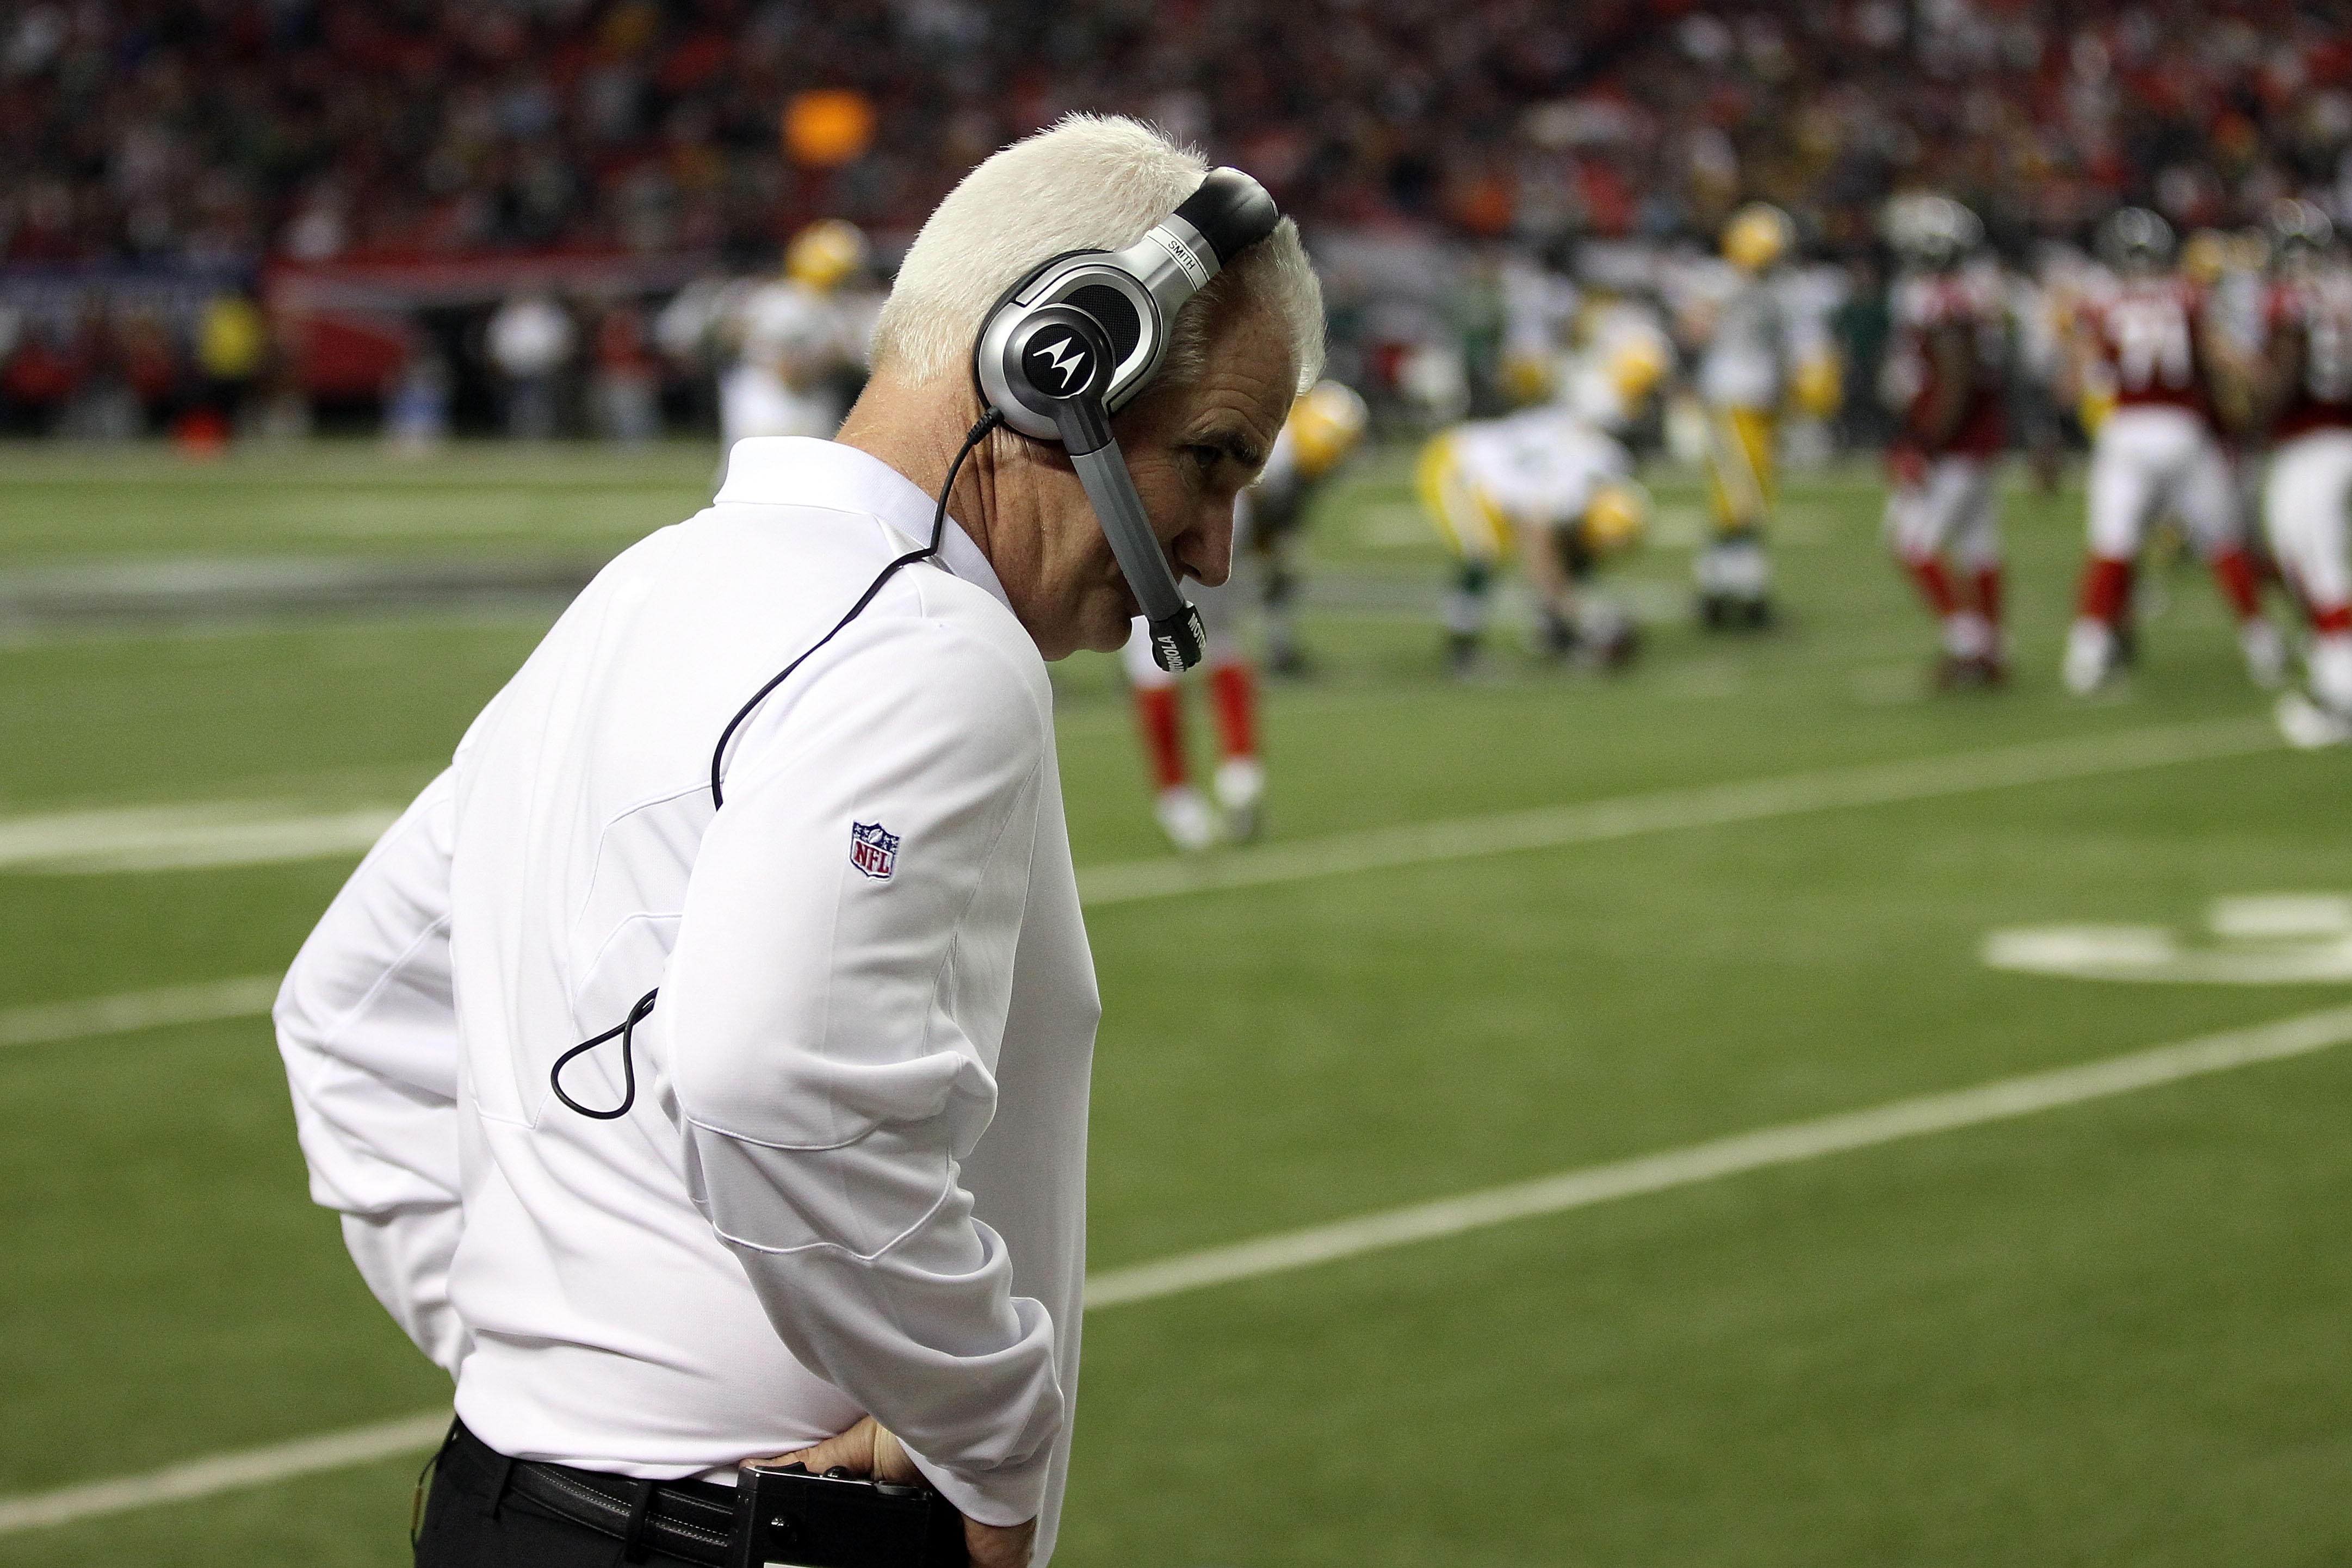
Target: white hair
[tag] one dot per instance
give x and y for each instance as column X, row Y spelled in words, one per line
column 1089, row 183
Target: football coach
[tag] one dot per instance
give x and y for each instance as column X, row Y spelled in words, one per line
column 699, row 1065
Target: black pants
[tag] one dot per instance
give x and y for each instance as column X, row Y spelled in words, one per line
column 473, row 1521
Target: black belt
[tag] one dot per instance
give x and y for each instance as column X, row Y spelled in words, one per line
column 685, row 1519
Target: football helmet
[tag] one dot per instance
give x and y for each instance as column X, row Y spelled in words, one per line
column 1325, row 426
column 1617, row 517
column 1758, row 236
column 824, row 254
column 2299, row 231
column 1931, row 231
column 2136, row 242
column 2205, row 257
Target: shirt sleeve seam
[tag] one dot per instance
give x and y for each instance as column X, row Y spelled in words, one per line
column 947, row 1187
column 332, row 1037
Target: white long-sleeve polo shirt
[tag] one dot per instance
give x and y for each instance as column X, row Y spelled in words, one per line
column 853, row 1177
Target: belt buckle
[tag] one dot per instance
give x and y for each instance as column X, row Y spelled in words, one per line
column 788, row 1518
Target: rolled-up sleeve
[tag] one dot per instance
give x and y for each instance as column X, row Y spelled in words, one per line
column 367, row 1026
column 834, row 1010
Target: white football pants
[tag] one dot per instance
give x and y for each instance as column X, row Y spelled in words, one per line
column 2151, row 456
column 1956, row 509
column 2303, row 510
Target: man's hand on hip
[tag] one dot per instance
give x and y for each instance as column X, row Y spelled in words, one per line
column 871, row 1451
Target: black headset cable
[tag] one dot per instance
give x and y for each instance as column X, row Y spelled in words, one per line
column 627, row 1029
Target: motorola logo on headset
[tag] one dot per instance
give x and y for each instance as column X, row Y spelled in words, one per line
column 1061, row 364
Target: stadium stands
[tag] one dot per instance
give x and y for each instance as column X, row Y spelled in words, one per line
column 167, row 148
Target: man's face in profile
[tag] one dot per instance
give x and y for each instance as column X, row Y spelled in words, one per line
column 1192, row 449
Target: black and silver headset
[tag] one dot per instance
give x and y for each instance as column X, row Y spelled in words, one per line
column 1074, row 342
column 1062, row 349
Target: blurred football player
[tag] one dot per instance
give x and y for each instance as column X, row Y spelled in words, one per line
column 1755, row 354
column 1539, row 304
column 2147, row 360
column 1269, row 521
column 1944, row 379
column 1323, row 428
column 1559, row 493
column 791, row 339
column 2307, row 394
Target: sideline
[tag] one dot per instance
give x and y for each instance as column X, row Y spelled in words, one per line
column 261, row 833
column 1917, row 1117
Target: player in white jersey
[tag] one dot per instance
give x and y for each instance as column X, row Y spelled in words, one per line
column 2307, row 395
column 1323, row 428
column 1944, row 381
column 1755, row 354
column 1558, row 492
column 791, row 339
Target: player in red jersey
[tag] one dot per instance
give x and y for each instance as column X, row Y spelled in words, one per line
column 2307, row 393
column 1944, row 379
column 2145, row 345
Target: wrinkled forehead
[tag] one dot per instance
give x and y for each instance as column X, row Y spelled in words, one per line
column 1249, row 370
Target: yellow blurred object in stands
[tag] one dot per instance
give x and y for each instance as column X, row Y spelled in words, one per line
column 231, row 338
column 828, row 126
column 824, row 254
column 1325, row 426
column 1817, row 386
column 1758, row 235
column 2205, row 257
column 1526, row 379
column 1617, row 517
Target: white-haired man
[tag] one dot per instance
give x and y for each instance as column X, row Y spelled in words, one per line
column 843, row 1221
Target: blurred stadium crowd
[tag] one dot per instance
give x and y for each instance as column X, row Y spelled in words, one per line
column 256, row 213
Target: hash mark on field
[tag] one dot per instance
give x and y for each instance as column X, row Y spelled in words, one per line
column 1667, row 811
column 50, row 1021
column 1788, row 1145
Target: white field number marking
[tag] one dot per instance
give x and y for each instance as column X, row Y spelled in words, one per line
column 1787, row 1145
column 2260, row 939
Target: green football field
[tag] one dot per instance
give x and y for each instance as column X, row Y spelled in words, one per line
column 1538, row 922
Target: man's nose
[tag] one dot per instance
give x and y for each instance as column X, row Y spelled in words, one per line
column 1205, row 549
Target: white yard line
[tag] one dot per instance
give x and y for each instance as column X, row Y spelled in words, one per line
column 1787, row 1145
column 256, row 832
column 170, row 838
column 1665, row 811
column 49, row 1021
column 225, row 1472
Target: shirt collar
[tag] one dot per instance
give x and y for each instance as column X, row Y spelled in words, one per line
column 796, row 471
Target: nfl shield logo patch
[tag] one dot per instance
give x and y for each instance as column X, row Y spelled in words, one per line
column 873, row 850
